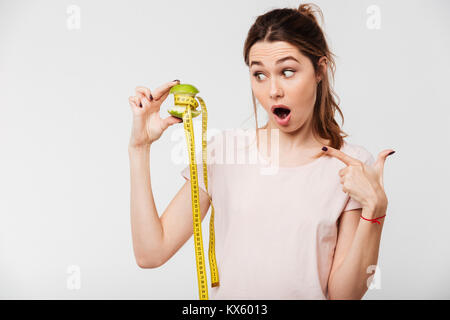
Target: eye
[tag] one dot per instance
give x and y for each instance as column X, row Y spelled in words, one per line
column 289, row 71
column 256, row 74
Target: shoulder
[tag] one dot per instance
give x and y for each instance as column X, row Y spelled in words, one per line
column 358, row 151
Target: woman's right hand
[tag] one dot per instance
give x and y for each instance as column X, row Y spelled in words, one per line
column 148, row 125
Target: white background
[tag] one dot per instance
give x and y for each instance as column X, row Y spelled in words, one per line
column 65, row 124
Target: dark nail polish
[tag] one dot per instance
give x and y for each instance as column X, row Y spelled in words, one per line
column 391, row 153
column 151, row 97
column 176, row 80
column 324, row 148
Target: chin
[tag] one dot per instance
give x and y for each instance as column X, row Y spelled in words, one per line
column 293, row 126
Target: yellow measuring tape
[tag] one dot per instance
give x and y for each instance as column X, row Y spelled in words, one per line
column 190, row 103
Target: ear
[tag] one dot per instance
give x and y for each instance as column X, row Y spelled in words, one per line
column 322, row 66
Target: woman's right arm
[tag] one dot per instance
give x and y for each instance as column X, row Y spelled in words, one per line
column 155, row 239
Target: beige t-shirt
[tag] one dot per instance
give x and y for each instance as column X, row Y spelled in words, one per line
column 275, row 231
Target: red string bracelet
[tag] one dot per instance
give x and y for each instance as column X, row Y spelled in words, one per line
column 374, row 220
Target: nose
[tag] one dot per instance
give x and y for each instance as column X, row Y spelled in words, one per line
column 275, row 90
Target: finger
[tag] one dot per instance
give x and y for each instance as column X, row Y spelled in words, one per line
column 137, row 98
column 145, row 91
column 137, row 102
column 341, row 156
column 170, row 120
column 144, row 100
column 161, row 91
column 164, row 96
column 132, row 102
column 379, row 164
column 140, row 99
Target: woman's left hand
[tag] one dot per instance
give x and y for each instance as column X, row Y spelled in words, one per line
column 362, row 182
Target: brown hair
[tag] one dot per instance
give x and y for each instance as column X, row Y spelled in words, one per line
column 299, row 27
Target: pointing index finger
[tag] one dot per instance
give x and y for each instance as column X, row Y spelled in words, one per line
column 341, row 156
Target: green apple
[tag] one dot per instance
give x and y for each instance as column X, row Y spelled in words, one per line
column 177, row 111
column 181, row 90
column 187, row 89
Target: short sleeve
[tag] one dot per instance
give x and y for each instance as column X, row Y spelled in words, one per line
column 186, row 173
column 366, row 157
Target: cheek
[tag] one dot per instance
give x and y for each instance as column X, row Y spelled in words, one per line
column 303, row 94
column 305, row 84
column 260, row 95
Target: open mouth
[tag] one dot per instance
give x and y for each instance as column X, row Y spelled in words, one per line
column 281, row 112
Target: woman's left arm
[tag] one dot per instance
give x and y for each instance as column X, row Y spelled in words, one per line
column 358, row 240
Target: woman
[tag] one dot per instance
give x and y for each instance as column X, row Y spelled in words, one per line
column 309, row 230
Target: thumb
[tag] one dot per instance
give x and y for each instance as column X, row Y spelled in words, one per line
column 379, row 164
column 170, row 120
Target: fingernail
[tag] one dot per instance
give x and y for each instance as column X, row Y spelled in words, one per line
column 176, row 80
column 324, row 148
column 151, row 97
column 391, row 153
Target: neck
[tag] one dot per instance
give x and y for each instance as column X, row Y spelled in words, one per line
column 297, row 143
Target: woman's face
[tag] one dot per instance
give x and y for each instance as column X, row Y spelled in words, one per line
column 289, row 82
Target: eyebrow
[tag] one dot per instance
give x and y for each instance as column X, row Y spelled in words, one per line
column 259, row 63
